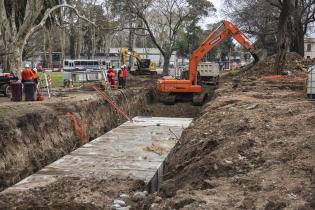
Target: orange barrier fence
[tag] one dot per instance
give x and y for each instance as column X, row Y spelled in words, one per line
column 112, row 103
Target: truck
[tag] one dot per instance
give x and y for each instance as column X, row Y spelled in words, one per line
column 209, row 73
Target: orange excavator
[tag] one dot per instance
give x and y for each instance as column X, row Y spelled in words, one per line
column 171, row 89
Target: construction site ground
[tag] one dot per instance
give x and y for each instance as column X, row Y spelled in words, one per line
column 250, row 147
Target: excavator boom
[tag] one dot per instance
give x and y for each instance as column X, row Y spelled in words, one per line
column 169, row 86
column 224, row 30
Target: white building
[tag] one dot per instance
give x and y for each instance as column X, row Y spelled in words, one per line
column 309, row 48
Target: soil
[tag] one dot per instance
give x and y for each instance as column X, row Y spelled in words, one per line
column 252, row 147
column 34, row 134
column 71, row 194
column 295, row 64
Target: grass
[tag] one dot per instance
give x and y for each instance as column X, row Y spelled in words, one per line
column 235, row 72
column 56, row 78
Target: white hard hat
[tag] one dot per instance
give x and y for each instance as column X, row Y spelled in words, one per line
column 35, row 69
column 125, row 65
column 122, row 67
column 27, row 65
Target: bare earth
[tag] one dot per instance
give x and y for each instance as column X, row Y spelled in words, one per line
column 251, row 148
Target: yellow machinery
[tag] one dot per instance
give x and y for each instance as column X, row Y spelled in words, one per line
column 143, row 66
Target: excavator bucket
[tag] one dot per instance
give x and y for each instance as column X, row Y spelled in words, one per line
column 258, row 54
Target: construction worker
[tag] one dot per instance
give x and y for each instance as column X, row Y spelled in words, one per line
column 27, row 74
column 120, row 77
column 124, row 76
column 28, row 83
column 111, row 77
column 35, row 77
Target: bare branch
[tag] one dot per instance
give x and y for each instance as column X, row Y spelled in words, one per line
column 48, row 13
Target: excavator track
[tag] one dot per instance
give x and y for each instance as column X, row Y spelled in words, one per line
column 168, row 98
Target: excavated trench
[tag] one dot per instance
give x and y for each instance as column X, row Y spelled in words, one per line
column 32, row 140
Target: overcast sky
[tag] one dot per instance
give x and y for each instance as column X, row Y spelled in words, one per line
column 217, row 4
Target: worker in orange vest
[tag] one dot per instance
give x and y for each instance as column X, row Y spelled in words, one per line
column 111, row 77
column 27, row 74
column 35, row 77
column 124, row 76
column 120, row 77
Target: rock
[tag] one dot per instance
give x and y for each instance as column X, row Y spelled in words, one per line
column 124, row 208
column 229, row 162
column 115, row 206
column 154, row 206
column 138, row 196
column 180, row 192
column 124, row 196
column 119, row 202
column 251, row 107
column 157, row 199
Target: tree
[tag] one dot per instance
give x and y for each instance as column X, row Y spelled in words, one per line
column 287, row 7
column 163, row 20
column 189, row 38
column 260, row 18
column 303, row 15
column 19, row 20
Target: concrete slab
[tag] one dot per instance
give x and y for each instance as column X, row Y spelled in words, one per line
column 127, row 151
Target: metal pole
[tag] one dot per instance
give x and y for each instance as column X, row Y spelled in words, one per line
column 47, row 85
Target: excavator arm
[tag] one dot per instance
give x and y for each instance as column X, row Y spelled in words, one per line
column 125, row 52
column 224, row 30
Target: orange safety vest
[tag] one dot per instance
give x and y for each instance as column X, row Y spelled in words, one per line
column 124, row 73
column 27, row 74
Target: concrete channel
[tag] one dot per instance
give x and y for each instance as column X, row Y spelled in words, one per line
column 124, row 152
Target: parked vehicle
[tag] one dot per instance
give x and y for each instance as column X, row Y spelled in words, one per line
column 81, row 65
column 5, row 80
column 209, row 72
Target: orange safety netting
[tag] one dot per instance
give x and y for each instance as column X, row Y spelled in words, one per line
column 79, row 128
column 112, row 103
column 283, row 78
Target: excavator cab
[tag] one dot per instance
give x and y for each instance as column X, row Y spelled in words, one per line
column 143, row 66
column 171, row 89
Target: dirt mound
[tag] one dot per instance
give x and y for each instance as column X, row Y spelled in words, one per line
column 295, row 64
column 249, row 149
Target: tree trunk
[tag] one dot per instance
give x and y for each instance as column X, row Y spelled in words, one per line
column 62, row 45
column 297, row 34
column 72, row 45
column 131, row 42
column 283, row 36
column 49, row 39
column 166, row 64
column 93, row 41
column 15, row 59
column 44, row 50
